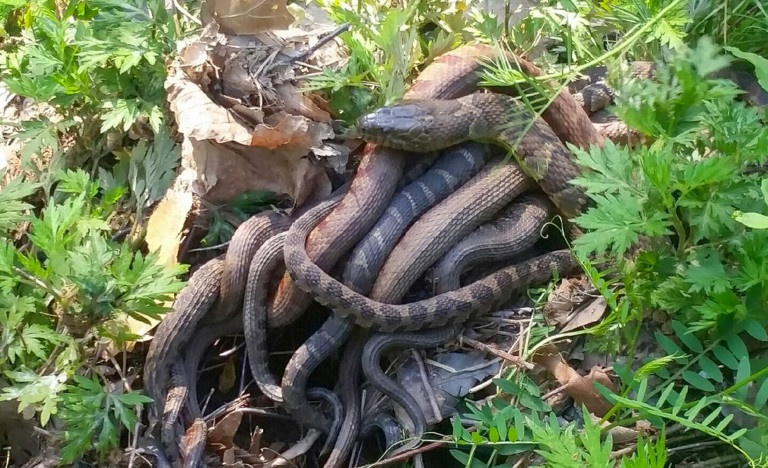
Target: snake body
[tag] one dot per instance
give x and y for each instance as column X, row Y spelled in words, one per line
column 452, row 170
column 375, row 181
column 427, row 125
column 178, row 327
column 440, row 228
column 450, row 307
column 265, row 261
column 329, row 237
column 246, row 240
column 515, row 231
column 380, row 343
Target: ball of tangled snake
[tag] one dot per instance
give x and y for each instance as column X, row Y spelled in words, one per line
column 443, row 108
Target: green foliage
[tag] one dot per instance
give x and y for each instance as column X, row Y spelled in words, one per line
column 561, row 448
column 94, row 416
column 388, row 41
column 678, row 388
column 147, row 169
column 239, row 209
column 98, row 58
column 738, row 23
column 66, row 286
column 688, row 183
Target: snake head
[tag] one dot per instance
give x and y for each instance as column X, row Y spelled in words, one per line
column 411, row 126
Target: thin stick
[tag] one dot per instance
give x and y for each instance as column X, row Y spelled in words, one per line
column 427, row 386
column 185, row 13
column 211, row 247
column 407, row 455
column 497, row 352
column 314, row 48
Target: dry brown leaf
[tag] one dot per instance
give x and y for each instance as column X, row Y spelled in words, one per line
column 564, row 299
column 199, row 117
column 228, row 457
column 578, row 387
column 247, row 17
column 293, row 101
column 242, row 168
column 228, row 375
column 586, row 314
column 283, row 129
column 224, row 431
column 166, row 224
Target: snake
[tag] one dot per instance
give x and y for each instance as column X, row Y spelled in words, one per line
column 374, row 183
column 512, row 233
column 177, row 329
column 372, row 186
column 453, row 306
column 457, row 83
column 380, row 343
column 453, row 74
column 264, row 262
column 383, row 422
column 451, row 171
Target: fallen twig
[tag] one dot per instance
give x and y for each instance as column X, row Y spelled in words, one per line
column 497, row 352
column 311, row 50
column 407, row 455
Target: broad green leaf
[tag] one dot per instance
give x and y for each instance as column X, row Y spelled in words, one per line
column 668, row 345
column 725, row 357
column 680, row 401
column 726, row 420
column 711, row 417
column 737, row 347
column 698, row 381
column 665, row 394
column 762, row 395
column 712, row 370
column 688, row 338
column 458, row 429
column 493, row 435
column 756, row 330
column 751, row 220
column 742, row 373
column 696, row 409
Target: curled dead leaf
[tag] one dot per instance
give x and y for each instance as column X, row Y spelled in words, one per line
column 243, row 17
column 242, row 168
column 293, row 101
column 288, row 129
column 223, row 432
column 578, row 387
column 586, row 314
column 198, row 117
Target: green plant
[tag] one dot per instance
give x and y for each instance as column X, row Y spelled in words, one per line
column 93, row 414
column 66, row 288
column 387, row 42
column 686, row 184
column 226, row 217
column 99, row 63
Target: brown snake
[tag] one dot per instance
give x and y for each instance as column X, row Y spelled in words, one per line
column 542, row 157
column 453, row 306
